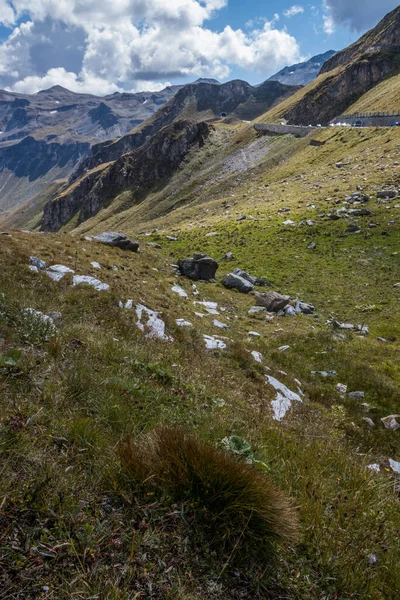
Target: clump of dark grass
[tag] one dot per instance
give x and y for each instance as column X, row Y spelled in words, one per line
column 238, row 509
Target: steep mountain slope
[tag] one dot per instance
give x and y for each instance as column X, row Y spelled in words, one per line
column 199, row 101
column 347, row 76
column 304, row 72
column 152, row 164
column 44, row 136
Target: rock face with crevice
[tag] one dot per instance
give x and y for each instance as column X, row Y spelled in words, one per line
column 140, row 171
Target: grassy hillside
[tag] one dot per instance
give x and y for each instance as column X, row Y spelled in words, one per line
column 29, row 215
column 74, row 522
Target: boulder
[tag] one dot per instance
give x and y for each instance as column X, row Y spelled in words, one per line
column 272, row 301
column 37, row 262
column 200, row 267
column 254, row 280
column 238, row 283
column 119, row 240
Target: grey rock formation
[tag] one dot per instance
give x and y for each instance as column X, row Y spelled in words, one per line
column 272, row 301
column 200, row 267
column 119, row 240
column 253, row 280
column 234, row 281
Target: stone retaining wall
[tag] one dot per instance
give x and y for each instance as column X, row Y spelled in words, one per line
column 296, row 130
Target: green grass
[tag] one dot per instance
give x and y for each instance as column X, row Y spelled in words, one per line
column 70, row 521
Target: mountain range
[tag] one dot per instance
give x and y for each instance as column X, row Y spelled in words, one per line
column 58, row 149
column 304, row 72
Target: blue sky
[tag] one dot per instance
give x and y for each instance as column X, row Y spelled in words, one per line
column 103, row 46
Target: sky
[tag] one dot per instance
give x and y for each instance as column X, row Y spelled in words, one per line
column 106, row 46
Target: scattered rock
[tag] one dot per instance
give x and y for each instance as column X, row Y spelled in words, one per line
column 219, row 324
column 211, row 307
column 200, row 267
column 57, row 272
column 128, row 305
column 91, row 281
column 213, row 344
column 324, row 373
column 290, row 311
column 119, row 240
column 241, row 218
column 374, row 467
column 356, row 395
column 254, row 334
column 312, row 246
column 369, row 422
column 283, row 400
column 391, row 423
column 397, row 285
column 228, row 256
column 183, row 323
column 353, row 228
column 95, row 265
column 283, row 348
column 272, row 301
column 387, row 194
column 171, row 238
column 233, row 281
column 154, row 325
column 341, row 388
column 256, row 310
column 257, row 356
column 37, row 262
column 179, row 290
column 154, row 245
column 395, row 466
column 253, row 280
column 33, row 269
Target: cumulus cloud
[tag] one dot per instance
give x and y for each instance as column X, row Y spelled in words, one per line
column 293, row 10
column 100, row 46
column 357, row 15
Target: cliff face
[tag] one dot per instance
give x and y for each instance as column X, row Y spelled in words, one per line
column 140, row 170
column 351, row 73
column 197, row 101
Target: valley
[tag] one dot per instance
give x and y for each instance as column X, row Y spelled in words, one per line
column 200, row 342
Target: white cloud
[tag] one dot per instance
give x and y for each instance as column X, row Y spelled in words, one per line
column 7, row 15
column 99, row 46
column 357, row 15
column 328, row 24
column 293, row 10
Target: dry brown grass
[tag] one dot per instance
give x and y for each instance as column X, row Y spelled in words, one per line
column 237, row 506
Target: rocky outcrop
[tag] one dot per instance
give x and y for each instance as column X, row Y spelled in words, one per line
column 351, row 73
column 118, row 240
column 199, row 268
column 140, row 170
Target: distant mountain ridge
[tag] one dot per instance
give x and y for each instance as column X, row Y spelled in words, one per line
column 43, row 136
column 304, row 72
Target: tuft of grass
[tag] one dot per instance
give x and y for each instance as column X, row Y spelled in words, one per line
column 239, row 509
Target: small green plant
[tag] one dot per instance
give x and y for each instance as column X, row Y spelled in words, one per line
column 237, row 507
column 10, row 358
